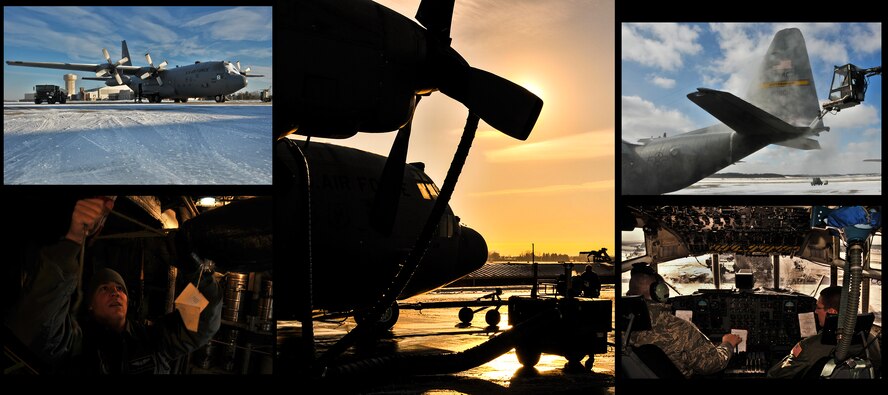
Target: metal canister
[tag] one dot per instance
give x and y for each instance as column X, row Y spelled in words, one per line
column 265, row 310
column 235, row 297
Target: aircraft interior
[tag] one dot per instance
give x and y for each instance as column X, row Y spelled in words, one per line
column 756, row 272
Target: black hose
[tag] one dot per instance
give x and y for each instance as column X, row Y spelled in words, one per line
column 410, row 365
column 414, row 258
column 848, row 312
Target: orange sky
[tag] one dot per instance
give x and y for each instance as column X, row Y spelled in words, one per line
column 557, row 188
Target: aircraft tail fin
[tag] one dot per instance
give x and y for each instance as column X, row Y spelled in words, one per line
column 784, row 85
column 124, row 53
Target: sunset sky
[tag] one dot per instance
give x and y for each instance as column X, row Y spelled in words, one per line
column 557, row 188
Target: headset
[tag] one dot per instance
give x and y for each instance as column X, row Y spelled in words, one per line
column 659, row 290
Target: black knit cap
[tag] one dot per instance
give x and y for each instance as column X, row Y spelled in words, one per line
column 103, row 276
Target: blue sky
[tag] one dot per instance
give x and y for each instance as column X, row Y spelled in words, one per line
column 179, row 35
column 663, row 62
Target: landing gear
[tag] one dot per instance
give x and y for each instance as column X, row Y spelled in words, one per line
column 220, row 99
column 387, row 320
column 528, row 356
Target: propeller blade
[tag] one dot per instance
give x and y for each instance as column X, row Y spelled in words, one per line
column 506, row 106
column 388, row 195
column 159, row 81
column 145, row 76
column 122, row 60
column 246, row 70
column 162, row 65
column 117, row 78
column 102, row 73
column 148, row 58
column 238, row 66
column 436, row 16
column 107, row 56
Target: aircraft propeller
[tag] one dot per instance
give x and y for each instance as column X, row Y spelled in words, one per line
column 111, row 66
column 245, row 71
column 154, row 71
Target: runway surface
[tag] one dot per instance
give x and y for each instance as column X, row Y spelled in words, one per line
column 789, row 185
column 435, row 330
column 127, row 143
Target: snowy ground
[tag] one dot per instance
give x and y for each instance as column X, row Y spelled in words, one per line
column 127, row 143
column 839, row 185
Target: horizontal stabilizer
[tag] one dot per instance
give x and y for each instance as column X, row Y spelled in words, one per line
column 802, row 143
column 744, row 117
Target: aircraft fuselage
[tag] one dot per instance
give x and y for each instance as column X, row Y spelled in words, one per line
column 205, row 79
column 352, row 262
column 668, row 164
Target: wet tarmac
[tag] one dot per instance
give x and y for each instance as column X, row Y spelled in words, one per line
column 435, row 331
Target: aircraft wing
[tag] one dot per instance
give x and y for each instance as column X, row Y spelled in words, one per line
column 744, row 117
column 130, row 70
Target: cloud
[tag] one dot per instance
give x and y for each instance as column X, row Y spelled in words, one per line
column 242, row 23
column 866, row 38
column 662, row 82
column 588, row 145
column 154, row 31
column 551, row 189
column 660, row 45
column 854, row 117
column 642, row 118
column 872, row 132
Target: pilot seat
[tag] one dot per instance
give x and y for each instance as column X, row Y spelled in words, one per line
column 646, row 361
column 859, row 363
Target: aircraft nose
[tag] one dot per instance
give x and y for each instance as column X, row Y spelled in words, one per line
column 472, row 250
column 245, row 81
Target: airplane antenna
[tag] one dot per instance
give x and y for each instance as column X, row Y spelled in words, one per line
column 535, row 289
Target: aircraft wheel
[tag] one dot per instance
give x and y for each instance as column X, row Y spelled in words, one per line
column 389, row 317
column 492, row 317
column 37, row 101
column 386, row 321
column 465, row 315
column 527, row 357
column 185, row 100
column 220, row 99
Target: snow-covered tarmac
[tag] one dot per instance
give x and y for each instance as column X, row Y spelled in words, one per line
column 127, row 143
column 790, row 185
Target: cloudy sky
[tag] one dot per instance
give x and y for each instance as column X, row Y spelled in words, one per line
column 557, row 188
column 179, row 35
column 663, row 62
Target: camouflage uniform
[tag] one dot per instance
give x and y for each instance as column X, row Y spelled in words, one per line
column 808, row 351
column 688, row 348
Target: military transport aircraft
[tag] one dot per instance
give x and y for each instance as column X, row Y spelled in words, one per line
column 352, row 261
column 766, row 292
column 201, row 79
column 782, row 109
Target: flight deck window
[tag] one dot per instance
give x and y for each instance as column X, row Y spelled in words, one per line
column 423, row 191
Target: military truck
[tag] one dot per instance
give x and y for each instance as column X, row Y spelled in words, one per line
column 50, row 94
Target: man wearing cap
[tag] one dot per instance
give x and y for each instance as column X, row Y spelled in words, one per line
column 103, row 341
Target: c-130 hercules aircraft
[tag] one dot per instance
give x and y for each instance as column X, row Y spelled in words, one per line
column 782, row 109
column 201, row 79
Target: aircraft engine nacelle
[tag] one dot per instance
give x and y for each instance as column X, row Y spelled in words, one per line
column 359, row 66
